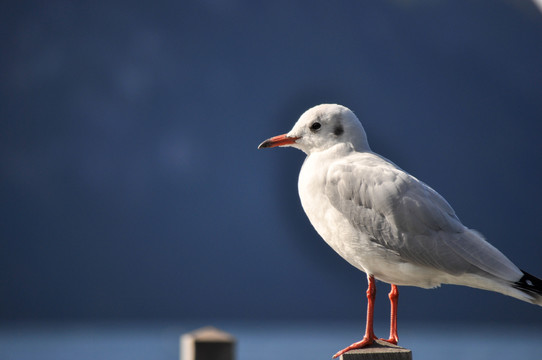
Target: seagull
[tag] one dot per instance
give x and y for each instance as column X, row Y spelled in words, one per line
column 387, row 223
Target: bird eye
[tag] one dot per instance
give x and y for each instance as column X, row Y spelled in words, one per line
column 315, row 126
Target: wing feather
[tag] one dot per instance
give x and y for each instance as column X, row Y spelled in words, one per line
column 409, row 218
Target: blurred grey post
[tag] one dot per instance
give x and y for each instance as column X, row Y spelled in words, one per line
column 208, row 343
column 380, row 350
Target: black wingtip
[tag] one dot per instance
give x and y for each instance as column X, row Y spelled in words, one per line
column 529, row 283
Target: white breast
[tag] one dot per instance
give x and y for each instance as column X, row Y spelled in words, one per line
column 331, row 225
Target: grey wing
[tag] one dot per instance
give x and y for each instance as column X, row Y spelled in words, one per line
column 410, row 219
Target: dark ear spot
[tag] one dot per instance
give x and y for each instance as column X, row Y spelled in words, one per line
column 338, row 130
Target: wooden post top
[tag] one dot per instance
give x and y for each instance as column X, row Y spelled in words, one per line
column 380, row 350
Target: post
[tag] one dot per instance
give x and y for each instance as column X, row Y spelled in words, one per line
column 207, row 343
column 379, row 350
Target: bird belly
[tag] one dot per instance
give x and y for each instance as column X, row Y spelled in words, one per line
column 407, row 274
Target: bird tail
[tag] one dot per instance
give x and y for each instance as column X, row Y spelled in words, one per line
column 531, row 286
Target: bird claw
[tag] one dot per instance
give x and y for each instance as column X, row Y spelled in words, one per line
column 391, row 340
column 366, row 341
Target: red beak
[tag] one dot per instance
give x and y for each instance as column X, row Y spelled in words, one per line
column 280, row 140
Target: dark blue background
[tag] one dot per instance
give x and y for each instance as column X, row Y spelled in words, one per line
column 131, row 187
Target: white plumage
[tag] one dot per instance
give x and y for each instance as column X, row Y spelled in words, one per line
column 386, row 222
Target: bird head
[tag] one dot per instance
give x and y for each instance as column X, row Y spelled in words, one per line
column 322, row 127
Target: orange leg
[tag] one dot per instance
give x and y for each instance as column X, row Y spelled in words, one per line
column 369, row 337
column 394, row 299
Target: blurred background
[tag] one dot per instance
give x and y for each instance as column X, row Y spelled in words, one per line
column 132, row 189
